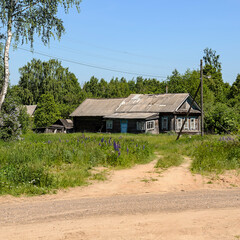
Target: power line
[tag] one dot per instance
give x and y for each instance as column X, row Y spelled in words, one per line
column 92, row 66
column 75, row 51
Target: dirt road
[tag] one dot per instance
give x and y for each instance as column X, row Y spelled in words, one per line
column 138, row 203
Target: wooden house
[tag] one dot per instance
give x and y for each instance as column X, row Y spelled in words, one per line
column 138, row 113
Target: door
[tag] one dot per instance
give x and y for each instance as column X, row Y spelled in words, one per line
column 124, row 126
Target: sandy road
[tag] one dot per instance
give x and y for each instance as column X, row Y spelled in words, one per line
column 208, row 214
column 138, row 203
column 30, row 212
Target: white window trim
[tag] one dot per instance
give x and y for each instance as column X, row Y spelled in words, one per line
column 178, row 123
column 192, row 124
column 186, row 125
column 153, row 123
column 109, row 124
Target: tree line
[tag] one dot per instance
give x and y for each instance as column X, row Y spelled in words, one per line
column 57, row 91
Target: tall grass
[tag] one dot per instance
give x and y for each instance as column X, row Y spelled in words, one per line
column 216, row 155
column 40, row 163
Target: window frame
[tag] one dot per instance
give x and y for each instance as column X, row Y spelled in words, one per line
column 192, row 122
column 150, row 122
column 109, row 124
column 179, row 121
column 163, row 122
column 141, row 126
column 186, row 125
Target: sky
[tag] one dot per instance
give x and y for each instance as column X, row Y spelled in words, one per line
column 130, row 38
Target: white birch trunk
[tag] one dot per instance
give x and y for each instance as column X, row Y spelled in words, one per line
column 6, row 66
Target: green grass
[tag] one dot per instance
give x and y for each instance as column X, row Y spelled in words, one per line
column 169, row 160
column 43, row 163
column 216, row 156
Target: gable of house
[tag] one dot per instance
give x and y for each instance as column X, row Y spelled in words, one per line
column 31, row 109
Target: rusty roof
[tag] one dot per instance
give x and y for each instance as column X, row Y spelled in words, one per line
column 97, row 107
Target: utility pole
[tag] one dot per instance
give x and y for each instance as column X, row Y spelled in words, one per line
column 202, row 114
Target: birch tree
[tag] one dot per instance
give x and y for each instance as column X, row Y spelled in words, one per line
column 22, row 19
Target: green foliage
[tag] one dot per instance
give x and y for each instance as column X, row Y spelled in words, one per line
column 25, row 18
column 169, row 160
column 10, row 127
column 221, row 118
column 37, row 78
column 47, row 111
column 40, row 163
column 217, row 156
column 24, row 119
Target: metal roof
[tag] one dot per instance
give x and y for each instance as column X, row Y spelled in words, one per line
column 152, row 102
column 132, row 115
column 97, row 107
column 138, row 105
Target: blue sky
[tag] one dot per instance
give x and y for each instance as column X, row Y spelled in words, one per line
column 141, row 38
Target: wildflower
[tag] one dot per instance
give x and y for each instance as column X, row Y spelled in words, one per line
column 116, row 148
column 143, row 147
column 102, row 139
column 49, row 141
column 99, row 144
column 127, row 150
column 119, row 153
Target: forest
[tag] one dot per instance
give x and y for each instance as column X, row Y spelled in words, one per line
column 57, row 91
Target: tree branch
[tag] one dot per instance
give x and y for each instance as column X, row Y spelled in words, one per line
column 26, row 8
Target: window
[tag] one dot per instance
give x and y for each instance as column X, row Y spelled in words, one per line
column 186, row 125
column 179, row 123
column 192, row 124
column 109, row 124
column 164, row 123
column 150, row 125
column 141, row 125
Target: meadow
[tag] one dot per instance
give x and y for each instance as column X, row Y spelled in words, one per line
column 43, row 163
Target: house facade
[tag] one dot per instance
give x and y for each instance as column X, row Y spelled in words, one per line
column 138, row 113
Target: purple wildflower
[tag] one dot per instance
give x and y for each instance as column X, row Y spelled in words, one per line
column 102, row 139
column 115, row 146
column 99, row 144
column 143, row 147
column 127, row 150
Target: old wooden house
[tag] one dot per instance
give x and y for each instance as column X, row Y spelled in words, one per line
column 138, row 113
